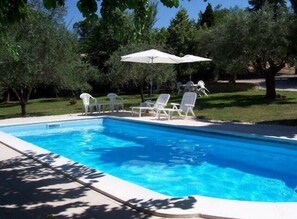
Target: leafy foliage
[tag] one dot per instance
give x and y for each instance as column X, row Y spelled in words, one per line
column 259, row 38
column 226, row 42
column 181, row 35
column 294, row 5
column 207, row 17
column 99, row 39
column 15, row 10
column 37, row 51
column 12, row 10
column 181, row 32
column 258, row 4
column 137, row 75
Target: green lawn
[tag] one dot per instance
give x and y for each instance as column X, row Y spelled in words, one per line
column 248, row 106
column 223, row 103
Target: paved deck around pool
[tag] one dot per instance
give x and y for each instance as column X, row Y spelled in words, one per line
column 31, row 190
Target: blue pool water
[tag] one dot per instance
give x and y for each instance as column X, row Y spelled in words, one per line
column 173, row 161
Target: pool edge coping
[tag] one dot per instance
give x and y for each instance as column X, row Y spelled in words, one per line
column 203, row 206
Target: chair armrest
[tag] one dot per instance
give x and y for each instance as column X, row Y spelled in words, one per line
column 148, row 103
column 174, row 105
column 95, row 100
column 189, row 105
column 121, row 99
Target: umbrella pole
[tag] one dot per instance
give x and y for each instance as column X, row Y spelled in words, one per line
column 190, row 72
column 151, row 86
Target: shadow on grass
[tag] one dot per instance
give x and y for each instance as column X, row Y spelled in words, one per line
column 9, row 116
column 9, row 104
column 237, row 100
column 288, row 122
column 227, row 87
column 51, row 100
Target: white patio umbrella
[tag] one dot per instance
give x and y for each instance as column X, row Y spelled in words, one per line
column 192, row 58
column 150, row 57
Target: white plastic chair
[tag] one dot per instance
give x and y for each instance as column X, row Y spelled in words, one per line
column 160, row 103
column 189, row 86
column 87, row 106
column 185, row 107
column 115, row 101
column 179, row 86
column 201, row 88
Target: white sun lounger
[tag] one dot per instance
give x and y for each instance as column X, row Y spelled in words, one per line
column 160, row 103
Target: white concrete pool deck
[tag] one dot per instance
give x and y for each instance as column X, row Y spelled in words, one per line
column 47, row 192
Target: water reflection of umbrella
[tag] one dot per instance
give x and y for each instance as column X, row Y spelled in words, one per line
column 150, row 57
column 192, row 58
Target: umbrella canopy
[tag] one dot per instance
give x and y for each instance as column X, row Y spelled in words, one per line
column 151, row 56
column 192, row 58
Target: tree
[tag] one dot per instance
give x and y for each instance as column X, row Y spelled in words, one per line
column 137, row 75
column 225, row 43
column 207, row 17
column 181, row 32
column 98, row 39
column 260, row 38
column 258, row 4
column 13, row 10
column 268, row 44
column 220, row 14
column 181, row 35
column 294, row 5
column 37, row 51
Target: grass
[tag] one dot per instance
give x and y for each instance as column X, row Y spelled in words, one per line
column 228, row 103
column 248, row 106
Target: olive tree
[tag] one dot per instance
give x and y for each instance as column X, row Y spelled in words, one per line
column 260, row 38
column 37, row 51
column 225, row 42
column 268, row 43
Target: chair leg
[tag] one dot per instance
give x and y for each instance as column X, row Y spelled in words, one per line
column 186, row 114
column 179, row 113
column 132, row 112
column 193, row 112
column 170, row 115
column 188, row 110
column 86, row 109
column 158, row 114
column 139, row 113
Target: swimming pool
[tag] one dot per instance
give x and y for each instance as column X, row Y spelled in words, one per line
column 174, row 161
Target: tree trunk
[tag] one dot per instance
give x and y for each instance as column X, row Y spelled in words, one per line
column 8, row 97
column 270, row 85
column 23, row 95
column 23, row 107
column 232, row 78
column 141, row 93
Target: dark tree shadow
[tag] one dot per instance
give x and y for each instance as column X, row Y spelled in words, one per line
column 287, row 122
column 29, row 190
column 238, row 100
